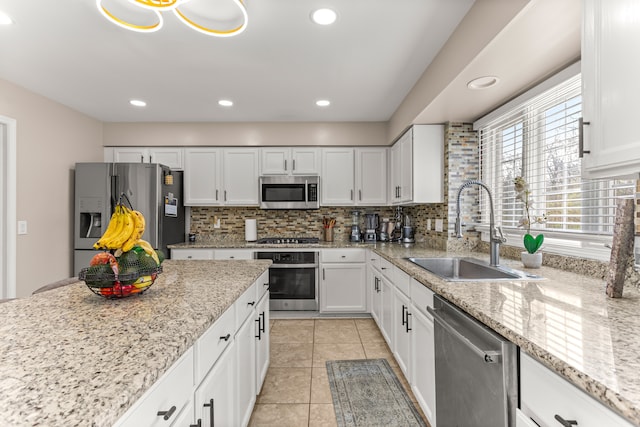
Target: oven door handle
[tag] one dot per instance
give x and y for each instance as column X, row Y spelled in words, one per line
column 293, row 266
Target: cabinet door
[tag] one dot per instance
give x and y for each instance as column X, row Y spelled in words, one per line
column 337, row 179
column 423, row 369
column 233, row 254
column 241, row 173
column 386, row 312
column 371, row 176
column 305, row 161
column 405, row 192
column 275, row 161
column 610, row 88
column 202, row 176
column 192, row 253
column 245, row 372
column 396, row 153
column 130, row 155
column 171, row 157
column 262, row 340
column 402, row 331
column 214, row 398
column 343, row 288
column 373, row 280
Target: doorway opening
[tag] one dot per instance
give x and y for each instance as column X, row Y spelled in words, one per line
column 7, row 207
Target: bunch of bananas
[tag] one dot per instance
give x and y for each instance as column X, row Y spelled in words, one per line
column 124, row 231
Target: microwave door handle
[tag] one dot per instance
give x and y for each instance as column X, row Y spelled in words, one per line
column 306, row 192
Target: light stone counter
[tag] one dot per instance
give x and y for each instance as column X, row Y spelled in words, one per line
column 70, row 357
column 566, row 320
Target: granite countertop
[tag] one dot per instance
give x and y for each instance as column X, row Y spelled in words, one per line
column 70, row 357
column 566, row 321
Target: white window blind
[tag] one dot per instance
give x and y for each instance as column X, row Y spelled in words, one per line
column 538, row 139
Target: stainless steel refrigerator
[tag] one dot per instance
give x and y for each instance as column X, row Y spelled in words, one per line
column 153, row 189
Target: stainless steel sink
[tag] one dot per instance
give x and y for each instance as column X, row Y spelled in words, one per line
column 470, row 270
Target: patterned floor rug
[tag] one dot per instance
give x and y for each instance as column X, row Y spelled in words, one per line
column 367, row 393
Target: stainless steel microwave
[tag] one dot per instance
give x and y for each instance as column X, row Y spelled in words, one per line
column 290, row 192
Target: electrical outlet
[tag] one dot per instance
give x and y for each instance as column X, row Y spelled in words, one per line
column 429, row 224
column 439, row 224
column 216, row 222
column 22, row 227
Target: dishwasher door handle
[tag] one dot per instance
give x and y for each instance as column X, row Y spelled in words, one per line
column 487, row 356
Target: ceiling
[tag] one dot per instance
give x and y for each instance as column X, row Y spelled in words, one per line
column 365, row 64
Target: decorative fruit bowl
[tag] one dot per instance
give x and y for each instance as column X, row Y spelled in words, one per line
column 128, row 265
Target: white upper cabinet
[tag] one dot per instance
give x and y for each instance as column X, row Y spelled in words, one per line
column 241, row 172
column 290, row 161
column 203, row 177
column 417, row 166
column 169, row 156
column 610, row 88
column 337, row 184
column 371, row 176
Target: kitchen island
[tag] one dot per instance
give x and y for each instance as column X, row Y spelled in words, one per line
column 70, row 357
column 566, row 321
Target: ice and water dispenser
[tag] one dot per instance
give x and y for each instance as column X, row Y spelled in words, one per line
column 90, row 211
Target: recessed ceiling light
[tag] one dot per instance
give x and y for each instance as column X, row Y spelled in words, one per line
column 483, row 82
column 138, row 103
column 5, row 19
column 324, row 16
column 323, row 103
column 225, row 103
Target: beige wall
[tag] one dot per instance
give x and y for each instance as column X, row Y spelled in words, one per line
column 51, row 138
column 245, row 134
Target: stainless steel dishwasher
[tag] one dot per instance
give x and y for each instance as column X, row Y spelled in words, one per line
column 476, row 371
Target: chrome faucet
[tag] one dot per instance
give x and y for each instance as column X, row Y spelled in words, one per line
column 495, row 233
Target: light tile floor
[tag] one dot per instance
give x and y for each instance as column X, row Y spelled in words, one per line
column 296, row 389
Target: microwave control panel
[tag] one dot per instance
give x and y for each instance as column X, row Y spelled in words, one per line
column 312, row 191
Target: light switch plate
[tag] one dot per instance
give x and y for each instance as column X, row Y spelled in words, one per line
column 216, row 222
column 439, row 224
column 22, row 227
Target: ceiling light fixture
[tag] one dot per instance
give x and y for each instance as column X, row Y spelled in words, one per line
column 323, row 103
column 324, row 16
column 137, row 103
column 5, row 19
column 483, row 82
column 144, row 15
column 225, row 103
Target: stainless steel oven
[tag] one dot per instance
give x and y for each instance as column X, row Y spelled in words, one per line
column 293, row 280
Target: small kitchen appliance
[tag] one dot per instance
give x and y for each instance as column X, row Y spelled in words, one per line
column 408, row 230
column 371, row 223
column 355, row 227
column 289, row 192
column 383, row 234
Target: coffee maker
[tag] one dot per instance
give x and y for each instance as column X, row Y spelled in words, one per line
column 355, row 227
column 370, row 227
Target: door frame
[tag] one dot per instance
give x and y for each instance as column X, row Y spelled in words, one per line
column 8, row 145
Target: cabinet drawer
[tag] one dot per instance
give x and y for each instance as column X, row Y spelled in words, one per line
column 246, row 304
column 344, row 255
column 421, row 296
column 233, row 254
column 191, row 253
column 262, row 285
column 374, row 259
column 213, row 342
column 173, row 389
column 402, row 281
column 387, row 269
column 544, row 394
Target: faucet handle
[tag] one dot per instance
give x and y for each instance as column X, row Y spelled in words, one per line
column 500, row 236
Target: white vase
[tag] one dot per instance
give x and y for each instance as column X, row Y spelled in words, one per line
column 531, row 260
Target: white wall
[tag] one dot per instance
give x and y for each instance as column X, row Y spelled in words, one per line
column 51, row 138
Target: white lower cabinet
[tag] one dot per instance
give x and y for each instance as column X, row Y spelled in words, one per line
column 262, row 340
column 246, row 371
column 343, row 285
column 192, row 253
column 214, row 398
column 546, row 398
column 402, row 331
column 386, row 311
column 373, row 282
column 231, row 254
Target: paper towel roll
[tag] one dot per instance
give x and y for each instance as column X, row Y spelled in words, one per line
column 250, row 230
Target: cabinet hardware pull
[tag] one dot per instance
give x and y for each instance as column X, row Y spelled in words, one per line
column 226, row 337
column 216, row 194
column 323, row 274
column 565, row 423
column 403, row 311
column 285, row 164
column 408, row 314
column 141, row 158
column 252, row 303
column 167, row 414
column 351, row 194
column 150, row 159
column 198, row 423
column 360, row 195
column 225, row 195
column 294, row 164
column 259, row 336
column 263, row 327
column 210, row 406
column 581, row 150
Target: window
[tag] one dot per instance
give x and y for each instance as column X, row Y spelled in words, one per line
column 538, row 139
